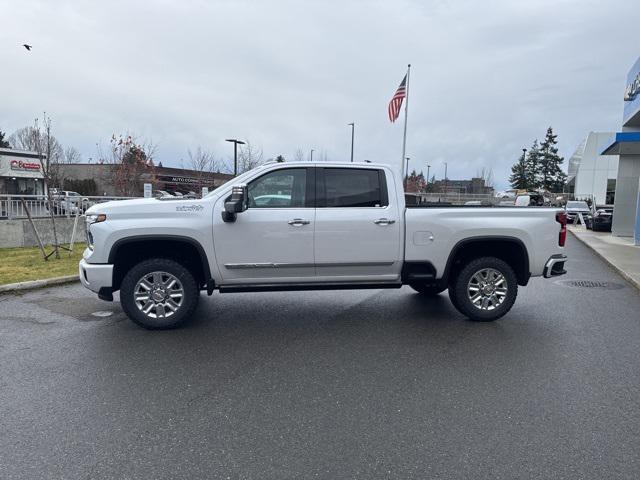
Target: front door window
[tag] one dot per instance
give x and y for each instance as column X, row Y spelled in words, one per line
column 280, row 189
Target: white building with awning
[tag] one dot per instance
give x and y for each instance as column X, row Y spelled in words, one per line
column 20, row 173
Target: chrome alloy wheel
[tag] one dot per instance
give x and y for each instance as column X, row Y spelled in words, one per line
column 158, row 294
column 487, row 289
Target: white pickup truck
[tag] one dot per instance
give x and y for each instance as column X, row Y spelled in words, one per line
column 312, row 226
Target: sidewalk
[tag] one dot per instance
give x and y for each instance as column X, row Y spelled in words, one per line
column 619, row 252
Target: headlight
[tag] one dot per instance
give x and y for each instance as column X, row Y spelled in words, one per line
column 90, row 220
column 95, row 218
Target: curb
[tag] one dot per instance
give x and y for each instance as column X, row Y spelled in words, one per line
column 617, row 269
column 33, row 284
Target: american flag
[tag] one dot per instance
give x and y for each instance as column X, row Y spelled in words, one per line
column 396, row 102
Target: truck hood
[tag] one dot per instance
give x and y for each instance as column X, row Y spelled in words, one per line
column 145, row 207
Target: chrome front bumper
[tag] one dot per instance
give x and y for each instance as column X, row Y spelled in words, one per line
column 555, row 266
column 95, row 276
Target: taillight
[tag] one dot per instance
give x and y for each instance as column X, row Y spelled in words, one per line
column 561, row 218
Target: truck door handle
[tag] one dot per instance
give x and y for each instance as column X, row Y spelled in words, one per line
column 298, row 222
column 384, row 221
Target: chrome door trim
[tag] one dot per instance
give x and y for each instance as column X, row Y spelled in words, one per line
column 238, row 266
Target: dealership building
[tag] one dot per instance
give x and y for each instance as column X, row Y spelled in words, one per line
column 626, row 145
column 20, row 173
column 592, row 176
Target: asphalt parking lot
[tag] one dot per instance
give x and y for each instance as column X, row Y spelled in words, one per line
column 361, row 384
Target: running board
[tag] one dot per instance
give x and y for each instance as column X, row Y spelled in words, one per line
column 274, row 287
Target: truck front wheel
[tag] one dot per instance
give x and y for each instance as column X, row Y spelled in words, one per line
column 485, row 289
column 159, row 294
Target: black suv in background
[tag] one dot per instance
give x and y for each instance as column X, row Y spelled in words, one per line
column 602, row 219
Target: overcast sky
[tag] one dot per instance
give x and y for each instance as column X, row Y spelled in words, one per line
column 487, row 77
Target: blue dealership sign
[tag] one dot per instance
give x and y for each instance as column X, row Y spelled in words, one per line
column 631, row 114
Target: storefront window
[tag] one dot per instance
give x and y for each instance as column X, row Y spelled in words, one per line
column 24, row 186
column 611, row 191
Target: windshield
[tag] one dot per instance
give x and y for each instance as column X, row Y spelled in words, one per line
column 582, row 205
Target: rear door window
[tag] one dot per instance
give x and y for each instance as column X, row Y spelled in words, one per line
column 353, row 187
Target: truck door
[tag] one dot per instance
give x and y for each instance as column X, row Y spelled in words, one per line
column 271, row 241
column 357, row 234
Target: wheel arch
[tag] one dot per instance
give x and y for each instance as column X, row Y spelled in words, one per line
column 187, row 251
column 510, row 249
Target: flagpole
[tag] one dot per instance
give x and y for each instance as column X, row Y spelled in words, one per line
column 406, row 110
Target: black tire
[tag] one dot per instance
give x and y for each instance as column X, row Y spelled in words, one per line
column 168, row 270
column 500, row 304
column 427, row 290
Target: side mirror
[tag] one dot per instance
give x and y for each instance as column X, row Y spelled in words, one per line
column 236, row 204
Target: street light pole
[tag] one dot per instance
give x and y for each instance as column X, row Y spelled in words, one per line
column 353, row 127
column 445, row 178
column 524, row 159
column 406, row 176
column 428, row 167
column 235, row 154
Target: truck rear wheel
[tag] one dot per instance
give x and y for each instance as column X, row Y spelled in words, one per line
column 485, row 289
column 159, row 294
column 426, row 289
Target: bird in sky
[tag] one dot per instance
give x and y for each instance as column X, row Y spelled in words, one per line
column 28, row 47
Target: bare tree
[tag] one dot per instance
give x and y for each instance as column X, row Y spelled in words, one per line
column 40, row 140
column 299, row 155
column 202, row 162
column 486, row 174
column 26, row 138
column 249, row 156
column 129, row 164
column 35, row 139
column 72, row 155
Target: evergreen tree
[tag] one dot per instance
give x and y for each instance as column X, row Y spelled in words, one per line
column 552, row 178
column 519, row 177
column 3, row 143
column 533, row 167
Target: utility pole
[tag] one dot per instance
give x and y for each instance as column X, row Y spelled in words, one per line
column 353, row 127
column 235, row 154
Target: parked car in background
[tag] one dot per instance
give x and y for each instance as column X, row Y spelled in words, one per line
column 67, row 202
column 576, row 207
column 271, row 201
column 162, row 194
column 602, row 219
column 530, row 200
